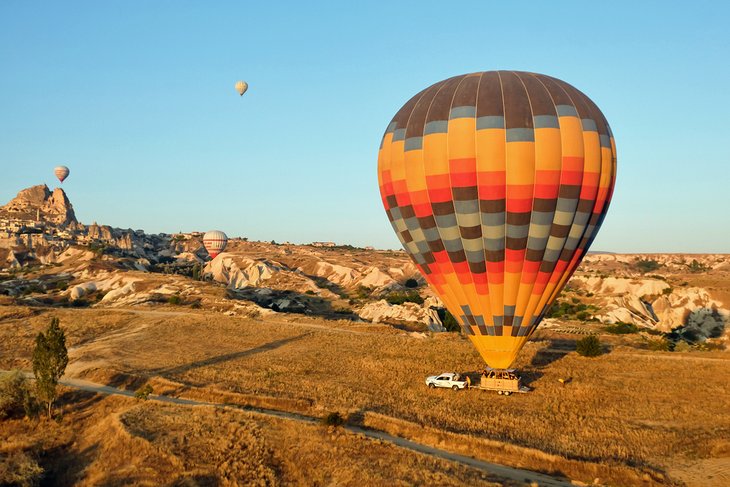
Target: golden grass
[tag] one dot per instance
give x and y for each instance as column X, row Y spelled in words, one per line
column 643, row 410
column 114, row 441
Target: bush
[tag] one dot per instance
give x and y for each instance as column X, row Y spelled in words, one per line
column 15, row 396
column 621, row 328
column 174, row 299
column 404, row 297
column 647, row 265
column 589, row 346
column 411, row 284
column 660, row 345
column 333, row 419
column 696, row 266
column 143, row 392
column 447, row 319
column 19, row 468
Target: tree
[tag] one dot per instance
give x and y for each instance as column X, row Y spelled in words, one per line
column 411, row 283
column 50, row 358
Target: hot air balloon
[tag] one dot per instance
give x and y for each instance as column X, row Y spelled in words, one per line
column 61, row 172
column 496, row 184
column 241, row 87
column 215, row 242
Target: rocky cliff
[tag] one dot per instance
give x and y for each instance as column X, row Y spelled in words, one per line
column 38, row 203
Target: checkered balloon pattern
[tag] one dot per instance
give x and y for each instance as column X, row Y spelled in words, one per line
column 496, row 184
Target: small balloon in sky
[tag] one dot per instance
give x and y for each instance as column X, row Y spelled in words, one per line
column 241, row 87
column 61, row 172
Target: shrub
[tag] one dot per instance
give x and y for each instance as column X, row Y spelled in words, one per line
column 143, row 392
column 174, row 299
column 589, row 346
column 667, row 290
column 696, row 266
column 343, row 311
column 411, row 283
column 647, row 265
column 621, row 328
column 450, row 323
column 404, row 297
column 333, row 419
column 363, row 292
column 15, row 395
column 583, row 315
column 660, row 345
column 61, row 285
column 19, row 468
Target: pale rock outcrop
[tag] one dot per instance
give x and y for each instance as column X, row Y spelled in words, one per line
column 117, row 294
column 81, row 290
column 618, row 286
column 39, row 201
column 374, row 277
column 239, row 272
column 382, row 311
column 674, row 310
column 338, row 274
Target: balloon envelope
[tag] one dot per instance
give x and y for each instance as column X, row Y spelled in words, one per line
column 241, row 87
column 61, row 172
column 215, row 242
column 496, row 184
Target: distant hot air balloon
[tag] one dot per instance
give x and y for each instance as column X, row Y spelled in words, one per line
column 496, row 184
column 61, row 172
column 241, row 87
column 215, row 242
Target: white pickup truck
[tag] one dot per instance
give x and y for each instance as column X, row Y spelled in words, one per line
column 449, row 380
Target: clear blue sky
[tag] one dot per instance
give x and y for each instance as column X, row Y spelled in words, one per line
column 137, row 99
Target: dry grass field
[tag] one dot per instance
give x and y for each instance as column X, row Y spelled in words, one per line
column 117, row 441
column 626, row 415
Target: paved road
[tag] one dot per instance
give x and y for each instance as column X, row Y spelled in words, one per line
column 503, row 471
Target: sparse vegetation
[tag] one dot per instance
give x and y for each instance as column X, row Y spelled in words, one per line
column 621, row 328
column 16, row 398
column 50, row 358
column 696, row 266
column 647, row 265
column 660, row 345
column 589, row 346
column 404, row 297
column 333, row 419
column 449, row 322
column 143, row 392
column 571, row 310
column 19, row 469
column 175, row 299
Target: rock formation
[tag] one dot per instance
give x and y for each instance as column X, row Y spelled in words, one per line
column 38, row 203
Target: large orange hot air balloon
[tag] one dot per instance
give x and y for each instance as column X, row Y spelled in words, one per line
column 215, row 242
column 496, row 184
